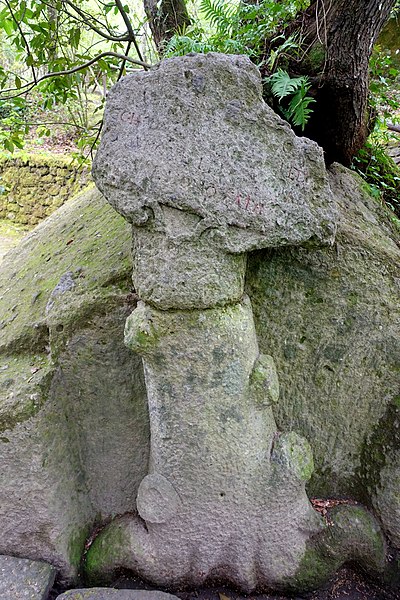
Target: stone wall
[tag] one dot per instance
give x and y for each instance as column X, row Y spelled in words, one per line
column 33, row 186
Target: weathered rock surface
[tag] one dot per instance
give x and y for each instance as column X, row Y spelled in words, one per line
column 22, row 579
column 236, row 511
column 73, row 416
column 109, row 594
column 277, row 285
column 330, row 318
column 203, row 168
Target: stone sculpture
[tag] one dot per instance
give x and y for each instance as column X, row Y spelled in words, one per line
column 206, row 172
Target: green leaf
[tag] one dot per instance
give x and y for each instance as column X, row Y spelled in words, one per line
column 8, row 145
column 299, row 113
column 18, row 82
column 9, row 26
column 283, row 85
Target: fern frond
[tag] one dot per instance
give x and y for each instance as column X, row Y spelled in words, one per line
column 219, row 13
column 298, row 111
column 283, row 85
column 179, row 45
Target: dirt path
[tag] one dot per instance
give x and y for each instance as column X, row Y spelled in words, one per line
column 10, row 235
column 346, row 584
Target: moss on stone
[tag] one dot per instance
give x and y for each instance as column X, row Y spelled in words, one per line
column 294, row 453
column 380, row 447
column 353, row 535
column 315, row 569
column 86, row 238
column 76, row 546
column 24, row 382
column 106, row 553
column 34, row 185
column 329, row 317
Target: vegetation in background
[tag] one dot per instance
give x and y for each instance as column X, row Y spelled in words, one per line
column 372, row 161
column 58, row 58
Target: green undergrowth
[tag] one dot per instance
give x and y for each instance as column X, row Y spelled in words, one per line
column 39, row 158
column 12, row 230
column 381, row 174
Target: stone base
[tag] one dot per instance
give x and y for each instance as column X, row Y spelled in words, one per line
column 23, row 579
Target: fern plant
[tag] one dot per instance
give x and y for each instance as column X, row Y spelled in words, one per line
column 220, row 14
column 291, row 93
column 235, row 27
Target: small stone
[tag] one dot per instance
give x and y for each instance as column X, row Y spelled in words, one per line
column 107, row 593
column 23, row 579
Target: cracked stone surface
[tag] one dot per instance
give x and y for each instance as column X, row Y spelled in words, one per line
column 23, row 579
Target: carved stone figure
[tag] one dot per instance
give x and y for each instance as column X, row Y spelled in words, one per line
column 205, row 172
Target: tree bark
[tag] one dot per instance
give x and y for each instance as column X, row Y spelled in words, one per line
column 338, row 36
column 165, row 18
column 345, row 31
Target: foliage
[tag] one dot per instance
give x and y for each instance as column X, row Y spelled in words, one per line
column 63, row 50
column 13, row 130
column 234, row 27
column 293, row 90
column 384, row 97
column 381, row 173
column 241, row 28
column 69, row 52
column 372, row 162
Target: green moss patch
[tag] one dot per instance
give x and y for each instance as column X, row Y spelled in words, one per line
column 24, row 381
column 85, row 241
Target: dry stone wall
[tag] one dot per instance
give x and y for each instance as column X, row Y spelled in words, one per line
column 33, row 186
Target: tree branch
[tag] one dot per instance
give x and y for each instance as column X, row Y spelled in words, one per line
column 28, row 50
column 121, row 70
column 29, row 86
column 395, row 128
column 129, row 28
column 108, row 36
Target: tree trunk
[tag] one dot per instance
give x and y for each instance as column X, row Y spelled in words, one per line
column 165, row 18
column 339, row 36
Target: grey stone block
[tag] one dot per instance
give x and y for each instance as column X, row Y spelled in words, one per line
column 23, row 579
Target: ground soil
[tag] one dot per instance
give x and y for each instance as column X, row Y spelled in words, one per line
column 346, row 584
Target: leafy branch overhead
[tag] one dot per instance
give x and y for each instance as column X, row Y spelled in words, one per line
column 61, row 50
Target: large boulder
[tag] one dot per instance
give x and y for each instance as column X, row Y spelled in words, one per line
column 74, row 426
column 73, row 416
column 331, row 320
